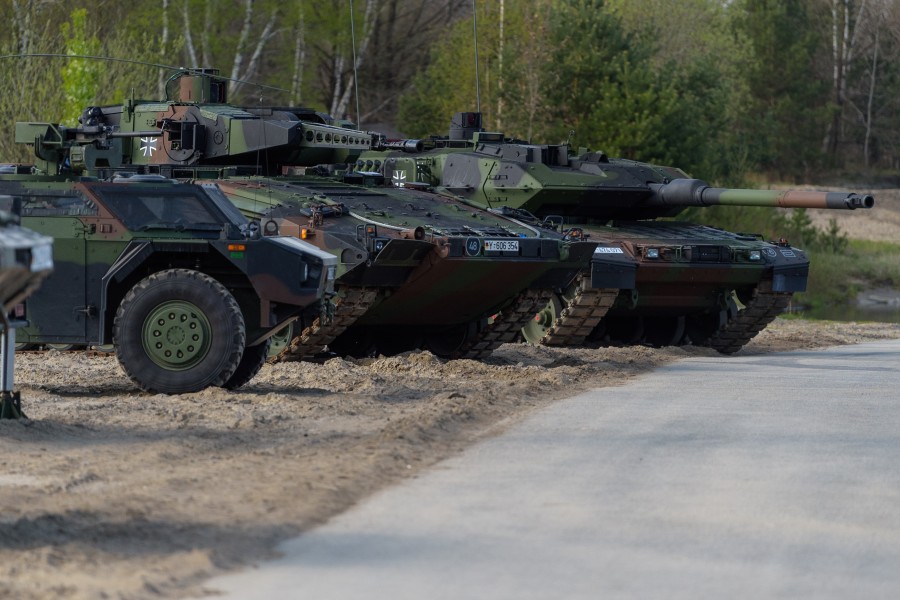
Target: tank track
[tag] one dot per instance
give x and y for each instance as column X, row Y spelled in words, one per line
column 581, row 314
column 506, row 326
column 759, row 312
column 346, row 310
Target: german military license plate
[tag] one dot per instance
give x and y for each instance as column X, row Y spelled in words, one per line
column 501, row 245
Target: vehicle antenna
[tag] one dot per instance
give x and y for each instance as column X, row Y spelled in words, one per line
column 475, row 37
column 355, row 78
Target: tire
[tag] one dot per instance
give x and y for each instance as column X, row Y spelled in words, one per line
column 179, row 331
column 251, row 362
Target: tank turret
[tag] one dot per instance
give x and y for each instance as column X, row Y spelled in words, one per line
column 193, row 127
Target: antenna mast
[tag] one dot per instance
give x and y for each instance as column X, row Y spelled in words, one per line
column 355, row 78
column 475, row 36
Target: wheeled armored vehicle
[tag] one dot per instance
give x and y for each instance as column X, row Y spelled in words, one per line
column 171, row 274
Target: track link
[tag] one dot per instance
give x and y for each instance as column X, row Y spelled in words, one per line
column 581, row 314
column 505, row 326
column 344, row 312
column 759, row 312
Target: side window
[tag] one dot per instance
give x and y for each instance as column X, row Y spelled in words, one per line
column 58, row 206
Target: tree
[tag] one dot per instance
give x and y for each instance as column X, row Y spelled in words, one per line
column 786, row 109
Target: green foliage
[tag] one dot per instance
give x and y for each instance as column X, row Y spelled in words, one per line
column 80, row 77
column 785, row 113
column 836, row 277
column 445, row 87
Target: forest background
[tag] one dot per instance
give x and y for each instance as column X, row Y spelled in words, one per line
column 736, row 92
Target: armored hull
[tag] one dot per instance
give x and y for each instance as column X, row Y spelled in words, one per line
column 418, row 269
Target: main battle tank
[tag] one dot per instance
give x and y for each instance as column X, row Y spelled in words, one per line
column 26, row 259
column 416, row 268
column 655, row 281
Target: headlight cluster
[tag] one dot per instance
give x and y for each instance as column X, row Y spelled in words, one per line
column 701, row 254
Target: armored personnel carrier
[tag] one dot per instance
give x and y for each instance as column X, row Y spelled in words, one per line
column 171, row 274
column 416, row 268
column 26, row 259
column 658, row 281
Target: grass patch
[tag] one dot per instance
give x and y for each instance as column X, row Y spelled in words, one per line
column 836, row 277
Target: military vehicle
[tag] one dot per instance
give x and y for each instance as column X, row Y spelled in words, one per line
column 659, row 281
column 416, row 268
column 26, row 259
column 171, row 274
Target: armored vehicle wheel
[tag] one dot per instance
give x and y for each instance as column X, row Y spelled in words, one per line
column 700, row 328
column 179, row 331
column 24, row 346
column 446, row 342
column 251, row 362
column 625, row 330
column 357, row 342
column 543, row 320
column 663, row 331
column 396, row 340
column 281, row 340
column 61, row 347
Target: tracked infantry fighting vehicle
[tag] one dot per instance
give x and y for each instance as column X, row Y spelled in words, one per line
column 171, row 274
column 26, row 259
column 649, row 280
column 416, row 268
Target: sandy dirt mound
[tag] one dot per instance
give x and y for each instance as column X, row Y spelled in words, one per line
column 111, row 493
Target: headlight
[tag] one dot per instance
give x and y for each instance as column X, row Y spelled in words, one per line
column 755, row 255
column 652, row 253
column 332, row 272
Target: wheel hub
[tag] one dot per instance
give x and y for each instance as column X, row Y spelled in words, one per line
column 543, row 320
column 176, row 335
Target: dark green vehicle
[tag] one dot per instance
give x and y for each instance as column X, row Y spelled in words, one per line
column 171, row 274
column 416, row 267
column 660, row 281
column 26, row 259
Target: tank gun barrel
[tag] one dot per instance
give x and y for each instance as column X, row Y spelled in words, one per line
column 694, row 192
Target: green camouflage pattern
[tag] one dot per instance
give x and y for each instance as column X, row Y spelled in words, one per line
column 111, row 238
column 416, row 267
column 672, row 282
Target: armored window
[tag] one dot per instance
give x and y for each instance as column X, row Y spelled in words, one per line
column 70, row 205
column 159, row 207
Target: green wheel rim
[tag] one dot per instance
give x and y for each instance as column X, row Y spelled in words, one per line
column 281, row 340
column 537, row 328
column 176, row 335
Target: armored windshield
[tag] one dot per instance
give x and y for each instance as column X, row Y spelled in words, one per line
column 157, row 207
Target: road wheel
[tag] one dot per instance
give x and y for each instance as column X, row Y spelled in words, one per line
column 543, row 320
column 251, row 362
column 179, row 331
column 281, row 340
column 61, row 347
